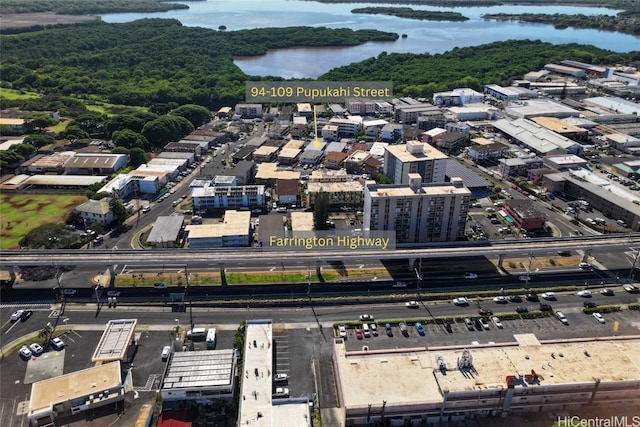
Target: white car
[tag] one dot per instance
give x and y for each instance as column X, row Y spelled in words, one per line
column 584, row 265
column 548, row 295
column 496, row 321
column 461, row 301
column 57, row 343
column 470, row 276
column 500, row 300
column 16, row 315
column 281, row 392
column 366, row 317
column 562, row 318
column 146, row 209
column 599, row 317
column 160, row 286
column 411, row 304
column 25, row 352
column 631, row 289
column 166, row 351
column 280, row 378
column 584, row 294
column 36, row 348
column 342, row 330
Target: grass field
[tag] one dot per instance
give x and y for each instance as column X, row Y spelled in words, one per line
column 20, row 213
column 12, row 95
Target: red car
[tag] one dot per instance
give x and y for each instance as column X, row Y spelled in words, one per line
column 359, row 333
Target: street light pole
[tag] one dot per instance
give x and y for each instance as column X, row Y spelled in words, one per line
column 633, row 267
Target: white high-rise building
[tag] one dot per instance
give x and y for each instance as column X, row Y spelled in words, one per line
column 414, row 157
column 418, row 212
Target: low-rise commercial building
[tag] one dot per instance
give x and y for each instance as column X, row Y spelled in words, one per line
column 75, row 392
column 211, row 198
column 434, row 385
column 202, row 376
column 166, row 232
column 525, row 214
column 233, row 231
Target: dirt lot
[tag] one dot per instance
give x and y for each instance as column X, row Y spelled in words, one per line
column 22, row 20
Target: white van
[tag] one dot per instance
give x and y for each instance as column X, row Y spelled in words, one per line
column 365, row 330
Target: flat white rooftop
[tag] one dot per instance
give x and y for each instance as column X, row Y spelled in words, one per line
column 366, row 377
column 115, row 340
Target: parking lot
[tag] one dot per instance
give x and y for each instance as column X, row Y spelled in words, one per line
column 547, row 328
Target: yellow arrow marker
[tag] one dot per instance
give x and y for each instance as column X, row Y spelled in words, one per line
column 316, row 141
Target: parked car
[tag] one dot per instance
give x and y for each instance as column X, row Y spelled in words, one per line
column 374, row 329
column 16, row 315
column 468, row 323
column 545, row 307
column 599, row 317
column 562, row 318
column 448, row 327
column 57, row 343
column 532, row 297
column 342, row 331
column 484, row 324
column 549, row 296
column 280, row 378
column 403, row 328
column 412, row 304
column 420, row 328
column 166, row 351
column 607, row 292
column 485, row 312
column 589, row 304
column 521, row 309
column 281, row 392
column 366, row 317
column 146, row 209
column 461, row 301
column 496, row 321
column 515, row 298
column 359, row 334
column 500, row 300
column 25, row 352
column 584, row 294
column 388, row 330
column 36, row 349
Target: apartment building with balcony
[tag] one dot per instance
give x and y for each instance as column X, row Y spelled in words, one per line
column 414, row 157
column 417, row 212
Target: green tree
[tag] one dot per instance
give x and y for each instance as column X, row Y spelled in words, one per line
column 321, row 211
column 165, row 129
column 196, row 114
column 38, row 121
column 39, row 140
column 118, row 210
column 73, row 133
column 25, row 150
column 129, row 139
column 137, row 157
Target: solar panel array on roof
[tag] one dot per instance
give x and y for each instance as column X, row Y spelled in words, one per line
column 469, row 178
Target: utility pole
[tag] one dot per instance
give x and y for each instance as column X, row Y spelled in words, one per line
column 633, row 267
column 186, row 272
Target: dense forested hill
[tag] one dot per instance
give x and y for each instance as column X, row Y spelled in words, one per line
column 157, row 61
column 499, row 62
column 152, row 60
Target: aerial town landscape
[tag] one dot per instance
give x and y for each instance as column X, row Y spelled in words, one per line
column 216, row 214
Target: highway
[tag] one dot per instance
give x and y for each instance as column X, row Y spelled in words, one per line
column 261, row 256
